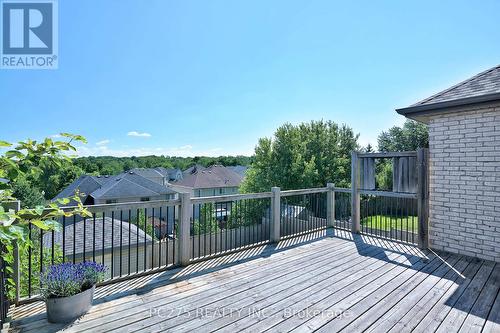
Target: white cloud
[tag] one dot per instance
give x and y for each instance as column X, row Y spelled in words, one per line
column 138, row 134
column 103, row 142
column 56, row 136
column 183, row 151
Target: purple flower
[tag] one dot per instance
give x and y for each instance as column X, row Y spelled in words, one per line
column 68, row 279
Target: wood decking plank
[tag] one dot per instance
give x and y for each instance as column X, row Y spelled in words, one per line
column 225, row 299
column 218, row 288
column 432, row 319
column 411, row 291
column 477, row 316
column 384, row 284
column 463, row 305
column 351, row 269
column 411, row 307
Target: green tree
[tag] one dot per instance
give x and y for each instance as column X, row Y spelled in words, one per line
column 302, row 156
column 23, row 161
column 411, row 136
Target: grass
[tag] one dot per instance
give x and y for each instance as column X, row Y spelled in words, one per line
column 386, row 222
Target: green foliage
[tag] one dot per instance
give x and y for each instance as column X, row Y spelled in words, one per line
column 25, row 161
column 36, row 259
column 411, row 136
column 109, row 165
column 385, row 222
column 29, row 195
column 302, row 156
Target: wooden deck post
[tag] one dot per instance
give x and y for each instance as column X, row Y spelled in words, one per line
column 275, row 214
column 185, row 229
column 330, row 205
column 355, row 197
column 423, row 197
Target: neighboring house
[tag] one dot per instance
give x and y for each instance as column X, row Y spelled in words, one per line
column 192, row 169
column 464, row 165
column 239, row 169
column 130, row 187
column 86, row 185
column 125, row 187
column 151, row 174
column 211, row 181
column 171, row 174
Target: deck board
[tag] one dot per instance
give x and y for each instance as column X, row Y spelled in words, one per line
column 329, row 283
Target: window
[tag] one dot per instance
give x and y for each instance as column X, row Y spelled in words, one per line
column 111, row 201
column 145, row 199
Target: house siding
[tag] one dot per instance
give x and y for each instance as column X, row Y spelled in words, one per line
column 464, row 206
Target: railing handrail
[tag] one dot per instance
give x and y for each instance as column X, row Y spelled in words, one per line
column 389, row 194
column 231, row 197
column 304, row 191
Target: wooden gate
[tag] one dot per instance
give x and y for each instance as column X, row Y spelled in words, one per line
column 400, row 212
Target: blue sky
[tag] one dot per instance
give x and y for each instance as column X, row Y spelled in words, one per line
column 211, row 77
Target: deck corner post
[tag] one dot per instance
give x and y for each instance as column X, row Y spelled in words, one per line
column 423, row 198
column 330, row 205
column 355, row 196
column 275, row 214
column 185, row 229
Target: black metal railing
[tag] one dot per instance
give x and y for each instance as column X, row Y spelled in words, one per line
column 129, row 239
column 300, row 213
column 218, row 227
column 4, row 300
column 342, row 219
column 392, row 216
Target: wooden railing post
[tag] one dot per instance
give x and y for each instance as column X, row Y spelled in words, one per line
column 423, row 198
column 185, row 229
column 356, row 198
column 330, row 205
column 275, row 214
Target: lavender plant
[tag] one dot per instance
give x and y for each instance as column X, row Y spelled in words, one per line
column 68, row 279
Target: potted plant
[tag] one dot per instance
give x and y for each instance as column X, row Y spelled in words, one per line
column 68, row 289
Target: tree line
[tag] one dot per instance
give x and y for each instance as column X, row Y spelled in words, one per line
column 296, row 156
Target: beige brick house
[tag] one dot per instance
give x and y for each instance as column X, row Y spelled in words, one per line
column 464, row 165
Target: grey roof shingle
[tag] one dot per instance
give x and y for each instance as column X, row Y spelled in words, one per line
column 132, row 232
column 85, row 184
column 239, row 169
column 130, row 184
column 484, row 83
column 170, row 173
column 211, row 177
column 481, row 88
column 147, row 172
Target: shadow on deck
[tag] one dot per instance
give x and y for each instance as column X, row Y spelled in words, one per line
column 359, row 282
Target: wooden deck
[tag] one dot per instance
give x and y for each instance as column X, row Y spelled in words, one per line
column 324, row 283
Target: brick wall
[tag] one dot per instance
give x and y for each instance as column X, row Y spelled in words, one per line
column 465, row 182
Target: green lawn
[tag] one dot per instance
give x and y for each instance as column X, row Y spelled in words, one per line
column 384, row 222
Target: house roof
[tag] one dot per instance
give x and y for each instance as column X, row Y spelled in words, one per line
column 212, row 177
column 192, row 169
column 481, row 88
column 170, row 173
column 129, row 184
column 85, row 184
column 239, row 169
column 147, row 172
column 112, row 229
